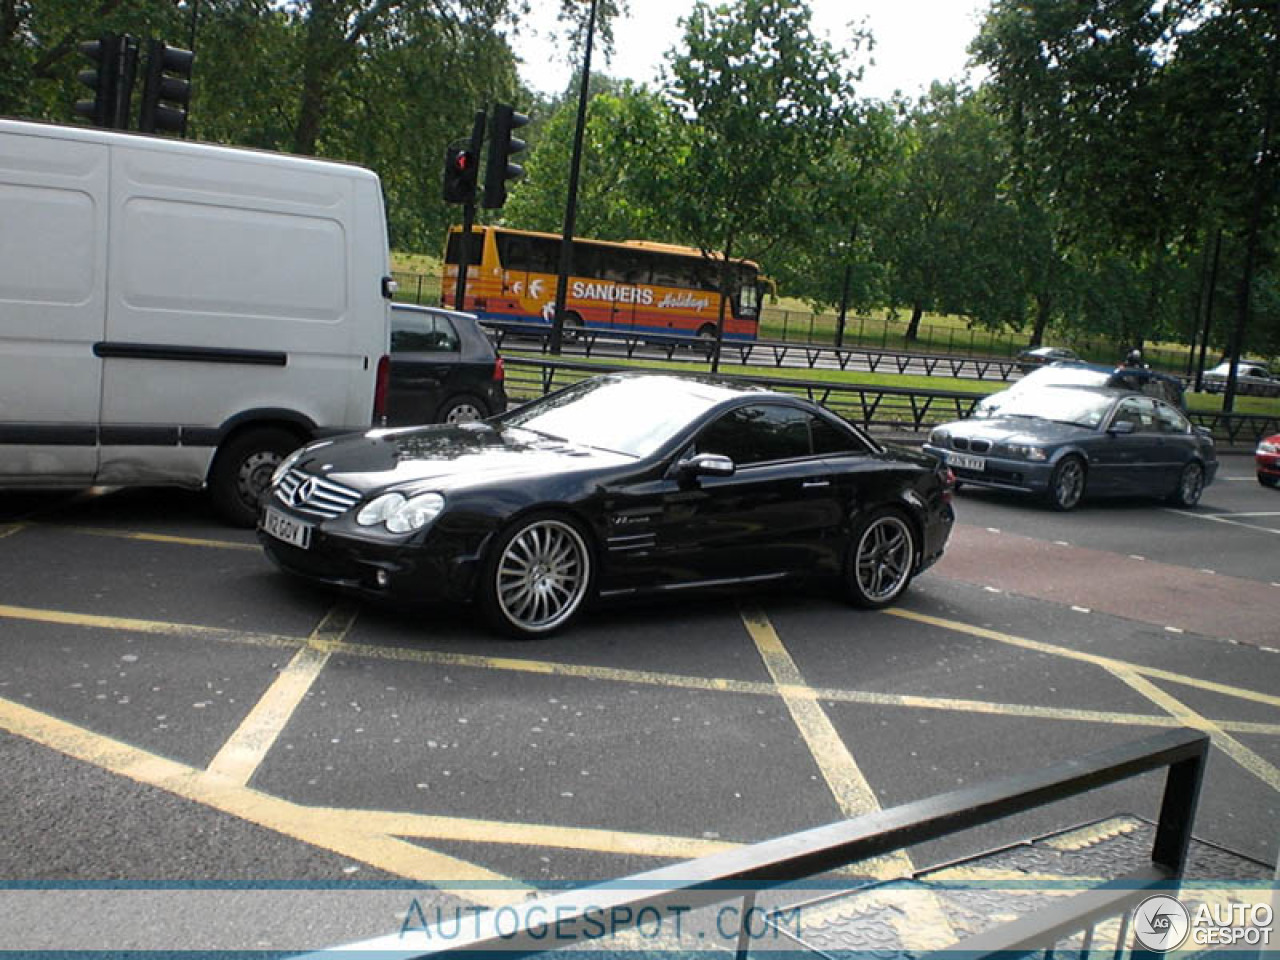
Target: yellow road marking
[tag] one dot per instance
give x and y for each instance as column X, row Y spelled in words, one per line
column 1093, row 658
column 155, row 537
column 1238, row 752
column 93, row 621
column 646, row 677
column 10, row 529
column 245, row 750
column 848, row 785
column 342, row 832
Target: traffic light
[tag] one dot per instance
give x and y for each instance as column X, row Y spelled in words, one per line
column 104, row 80
column 502, row 146
column 166, row 89
column 461, row 167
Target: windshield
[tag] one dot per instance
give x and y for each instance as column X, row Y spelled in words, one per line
column 634, row 416
column 1079, row 407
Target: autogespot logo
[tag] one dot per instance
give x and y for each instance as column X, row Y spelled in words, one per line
column 1161, row 923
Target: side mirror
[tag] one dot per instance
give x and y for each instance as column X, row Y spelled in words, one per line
column 707, row 465
column 1121, row 428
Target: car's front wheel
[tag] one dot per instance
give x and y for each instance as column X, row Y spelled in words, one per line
column 881, row 559
column 537, row 577
column 1190, row 486
column 1267, row 480
column 1066, row 485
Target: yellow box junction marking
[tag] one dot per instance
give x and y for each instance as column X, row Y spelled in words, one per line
column 244, row 752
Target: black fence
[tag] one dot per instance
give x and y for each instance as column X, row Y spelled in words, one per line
column 619, row 344
column 875, row 408
column 741, row 874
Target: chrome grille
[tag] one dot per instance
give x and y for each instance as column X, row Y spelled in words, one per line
column 960, row 443
column 980, row 446
column 315, row 496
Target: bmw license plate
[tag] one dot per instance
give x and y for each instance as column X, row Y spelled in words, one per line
column 285, row 528
column 966, row 462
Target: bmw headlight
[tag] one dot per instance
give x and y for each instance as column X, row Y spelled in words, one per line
column 401, row 514
column 1025, row 451
column 939, row 438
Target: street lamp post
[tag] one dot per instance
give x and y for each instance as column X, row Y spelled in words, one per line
column 571, row 204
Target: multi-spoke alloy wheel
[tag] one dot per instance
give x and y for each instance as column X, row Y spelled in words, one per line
column 540, row 578
column 1066, row 485
column 882, row 560
column 1190, row 486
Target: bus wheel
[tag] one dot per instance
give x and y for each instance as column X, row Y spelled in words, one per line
column 706, row 332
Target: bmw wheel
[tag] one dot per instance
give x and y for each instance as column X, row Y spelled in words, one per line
column 539, row 573
column 1190, row 485
column 1066, row 485
column 881, row 560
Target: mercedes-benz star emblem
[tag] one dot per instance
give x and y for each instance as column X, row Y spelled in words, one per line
column 303, row 493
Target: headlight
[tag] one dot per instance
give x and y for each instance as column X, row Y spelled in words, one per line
column 400, row 514
column 939, row 438
column 1265, row 447
column 1025, row 451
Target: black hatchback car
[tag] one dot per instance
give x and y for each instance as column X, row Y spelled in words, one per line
column 443, row 368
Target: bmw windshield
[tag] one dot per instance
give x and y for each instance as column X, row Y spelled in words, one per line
column 1081, row 408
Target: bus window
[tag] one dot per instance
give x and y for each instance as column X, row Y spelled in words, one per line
column 474, row 249
column 748, row 301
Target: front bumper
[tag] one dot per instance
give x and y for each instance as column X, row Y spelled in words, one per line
column 999, row 473
column 436, row 568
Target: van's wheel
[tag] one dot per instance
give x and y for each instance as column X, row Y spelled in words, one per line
column 881, row 560
column 242, row 469
column 463, row 409
column 1067, row 483
column 538, row 574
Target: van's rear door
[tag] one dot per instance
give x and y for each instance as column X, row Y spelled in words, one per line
column 53, row 267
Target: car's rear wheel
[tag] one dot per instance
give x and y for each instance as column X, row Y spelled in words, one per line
column 242, row 470
column 1190, row 485
column 463, row 409
column 537, row 577
column 1066, row 485
column 881, row 559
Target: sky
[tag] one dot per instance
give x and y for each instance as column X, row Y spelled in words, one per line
column 916, row 41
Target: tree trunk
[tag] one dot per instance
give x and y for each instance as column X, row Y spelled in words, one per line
column 317, row 74
column 913, row 328
column 1044, row 310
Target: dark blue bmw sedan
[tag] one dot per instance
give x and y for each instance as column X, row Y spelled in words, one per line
column 1062, row 443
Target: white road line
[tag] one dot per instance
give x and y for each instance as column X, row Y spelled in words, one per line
column 1223, row 519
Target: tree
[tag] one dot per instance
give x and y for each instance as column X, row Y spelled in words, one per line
column 761, row 102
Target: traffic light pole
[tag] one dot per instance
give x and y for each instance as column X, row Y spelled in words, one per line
column 571, row 205
column 468, row 217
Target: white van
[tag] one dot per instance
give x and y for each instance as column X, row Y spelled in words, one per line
column 180, row 313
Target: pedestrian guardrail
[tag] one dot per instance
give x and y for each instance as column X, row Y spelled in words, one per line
column 873, row 407
column 589, row 342
column 561, row 921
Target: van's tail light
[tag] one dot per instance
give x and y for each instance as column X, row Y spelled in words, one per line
column 381, row 384
column 499, row 370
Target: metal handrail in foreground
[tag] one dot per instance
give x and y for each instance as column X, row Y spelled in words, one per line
column 743, row 872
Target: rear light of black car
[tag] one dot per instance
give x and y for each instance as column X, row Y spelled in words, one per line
column 499, row 370
column 948, row 483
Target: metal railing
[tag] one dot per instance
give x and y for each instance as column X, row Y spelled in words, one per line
column 740, row 874
column 880, row 408
column 621, row 344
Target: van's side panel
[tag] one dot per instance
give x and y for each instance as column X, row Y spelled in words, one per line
column 232, row 291
column 53, row 269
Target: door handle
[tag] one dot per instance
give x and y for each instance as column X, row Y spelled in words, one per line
column 815, row 484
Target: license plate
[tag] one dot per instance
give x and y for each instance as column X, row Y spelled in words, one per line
column 284, row 528
column 966, row 462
